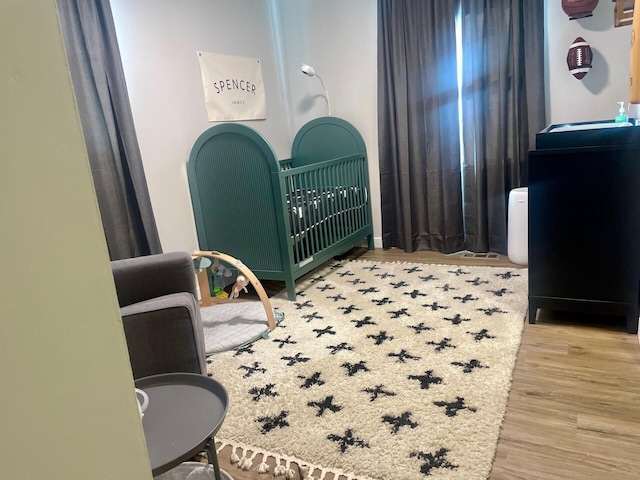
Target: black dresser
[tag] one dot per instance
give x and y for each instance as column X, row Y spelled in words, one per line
column 584, row 222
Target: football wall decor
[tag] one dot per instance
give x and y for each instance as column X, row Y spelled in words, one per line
column 579, row 8
column 579, row 58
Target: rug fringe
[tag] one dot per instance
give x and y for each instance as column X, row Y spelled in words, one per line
column 283, row 463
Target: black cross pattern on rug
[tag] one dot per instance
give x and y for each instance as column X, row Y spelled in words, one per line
column 434, row 333
column 382, row 301
column 340, row 347
column 469, row 366
column 415, row 294
column 371, row 268
column 300, row 306
column 500, row 293
column 251, row 369
column 507, row 275
column 347, row 440
column 368, row 290
column 446, row 287
column 297, row 358
column 457, row 320
column 435, row 306
column 284, row 341
column 271, row 423
column 458, row 272
column 477, row 281
column 403, row 356
column 246, row 349
column 267, row 391
column 325, row 287
column 400, row 284
column 467, row 298
column 335, row 266
column 349, row 309
column 385, row 275
column 312, row 316
column 346, row 273
column 426, row 380
column 356, row 281
column 490, row 311
column 412, row 269
column 428, row 278
column 452, row 408
column 398, row 313
column 324, row 405
column 421, row 327
column 381, row 337
column 311, row 381
column 378, row 391
column 317, row 279
column 433, row 460
column 365, row 321
column 442, row 344
column 336, row 298
column 481, row 335
column 328, row 330
column 353, row 368
column 404, row 420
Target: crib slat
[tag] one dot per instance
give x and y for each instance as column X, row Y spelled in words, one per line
column 327, row 203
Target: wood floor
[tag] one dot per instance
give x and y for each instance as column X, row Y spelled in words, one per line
column 574, row 406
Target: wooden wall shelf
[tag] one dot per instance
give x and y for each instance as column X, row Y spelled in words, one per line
column 623, row 13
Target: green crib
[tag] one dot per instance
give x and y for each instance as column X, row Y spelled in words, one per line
column 282, row 218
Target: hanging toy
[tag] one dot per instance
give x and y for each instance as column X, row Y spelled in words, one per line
column 219, row 274
column 241, row 284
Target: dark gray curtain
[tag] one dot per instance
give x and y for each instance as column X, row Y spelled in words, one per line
column 503, row 107
column 107, row 123
column 420, row 136
column 418, row 126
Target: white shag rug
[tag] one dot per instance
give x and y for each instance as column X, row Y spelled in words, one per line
column 381, row 371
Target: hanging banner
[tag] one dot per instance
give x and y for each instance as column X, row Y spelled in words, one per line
column 233, row 88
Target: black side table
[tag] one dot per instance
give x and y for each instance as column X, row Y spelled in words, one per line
column 185, row 411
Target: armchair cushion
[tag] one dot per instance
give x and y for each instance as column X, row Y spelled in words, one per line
column 151, row 276
column 160, row 314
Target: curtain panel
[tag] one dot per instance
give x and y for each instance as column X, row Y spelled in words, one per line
column 503, row 108
column 107, row 123
column 418, row 126
column 430, row 198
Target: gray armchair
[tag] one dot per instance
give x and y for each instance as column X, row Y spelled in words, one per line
column 160, row 313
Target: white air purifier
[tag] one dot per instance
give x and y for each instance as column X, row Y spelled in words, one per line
column 518, row 226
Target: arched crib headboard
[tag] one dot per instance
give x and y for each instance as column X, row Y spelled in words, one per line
column 323, row 138
column 230, row 178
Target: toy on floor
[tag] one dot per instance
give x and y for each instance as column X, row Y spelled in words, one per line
column 219, row 273
column 229, row 323
column 241, row 284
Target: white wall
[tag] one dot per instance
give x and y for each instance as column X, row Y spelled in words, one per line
column 158, row 41
column 67, row 402
column 595, row 96
column 339, row 39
